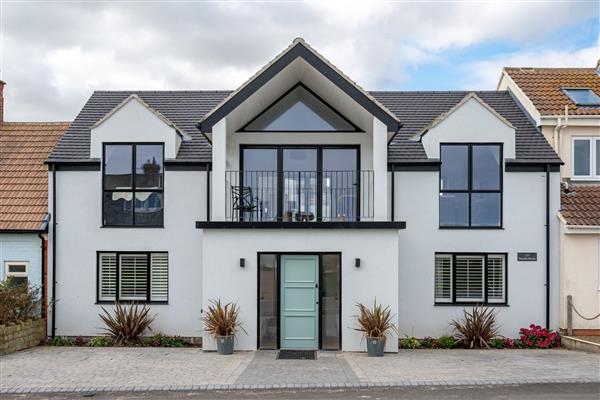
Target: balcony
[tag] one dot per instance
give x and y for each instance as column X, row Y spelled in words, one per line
column 299, row 196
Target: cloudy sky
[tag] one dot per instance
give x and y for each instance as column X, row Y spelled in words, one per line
column 55, row 53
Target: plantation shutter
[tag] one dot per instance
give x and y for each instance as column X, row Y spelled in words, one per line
column 159, row 277
column 496, row 278
column 134, row 277
column 469, row 278
column 443, row 278
column 107, row 276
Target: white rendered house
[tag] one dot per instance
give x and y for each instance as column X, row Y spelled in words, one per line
column 298, row 195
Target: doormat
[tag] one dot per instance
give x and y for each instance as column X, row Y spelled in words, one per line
column 297, row 355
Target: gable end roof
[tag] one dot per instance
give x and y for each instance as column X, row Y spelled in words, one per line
column 299, row 48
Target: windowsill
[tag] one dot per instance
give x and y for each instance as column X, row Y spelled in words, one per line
column 473, row 227
column 584, row 179
column 462, row 304
column 101, row 302
column 132, row 226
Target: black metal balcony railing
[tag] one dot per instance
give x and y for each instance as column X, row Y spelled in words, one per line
column 299, row 196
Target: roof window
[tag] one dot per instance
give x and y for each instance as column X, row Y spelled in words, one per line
column 583, row 96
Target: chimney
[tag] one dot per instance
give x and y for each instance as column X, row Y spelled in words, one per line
column 2, row 83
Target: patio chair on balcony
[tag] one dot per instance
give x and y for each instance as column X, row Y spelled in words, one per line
column 244, row 203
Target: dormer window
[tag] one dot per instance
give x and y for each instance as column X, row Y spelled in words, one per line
column 300, row 110
column 583, row 96
column 133, row 184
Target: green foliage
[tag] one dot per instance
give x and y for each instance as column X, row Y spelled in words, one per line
column 18, row 302
column 60, row 341
column 160, row 340
column 99, row 341
column 447, row 342
column 410, row 343
column 375, row 322
column 222, row 320
column 127, row 324
column 476, row 328
column 496, row 343
column 428, row 342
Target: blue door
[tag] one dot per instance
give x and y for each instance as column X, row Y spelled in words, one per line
column 299, row 302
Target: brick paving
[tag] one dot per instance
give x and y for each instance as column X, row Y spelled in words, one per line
column 79, row 369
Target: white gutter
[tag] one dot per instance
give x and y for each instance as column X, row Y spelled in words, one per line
column 578, row 229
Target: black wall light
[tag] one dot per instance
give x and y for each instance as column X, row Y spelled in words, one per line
column 357, row 262
column 242, row 262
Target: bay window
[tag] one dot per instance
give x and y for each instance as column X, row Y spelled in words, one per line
column 133, row 184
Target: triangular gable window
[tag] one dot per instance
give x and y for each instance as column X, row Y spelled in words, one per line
column 299, row 110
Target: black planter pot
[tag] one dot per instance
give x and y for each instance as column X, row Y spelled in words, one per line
column 225, row 344
column 375, row 346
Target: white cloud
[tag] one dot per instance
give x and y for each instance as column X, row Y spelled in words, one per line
column 55, row 54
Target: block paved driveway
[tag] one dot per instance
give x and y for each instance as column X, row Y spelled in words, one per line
column 71, row 369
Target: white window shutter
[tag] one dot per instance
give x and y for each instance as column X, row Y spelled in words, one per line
column 469, row 278
column 133, row 277
column 496, row 278
column 443, row 278
column 159, row 277
column 107, row 276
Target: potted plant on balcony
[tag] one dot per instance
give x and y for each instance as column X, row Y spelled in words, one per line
column 221, row 321
column 375, row 324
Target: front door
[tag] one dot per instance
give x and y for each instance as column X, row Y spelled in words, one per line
column 299, row 302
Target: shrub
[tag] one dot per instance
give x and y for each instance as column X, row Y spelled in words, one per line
column 18, row 302
column 476, row 328
column 60, row 341
column 447, row 342
column 127, row 324
column 222, row 320
column 79, row 341
column 509, row 343
column 427, row 342
column 160, row 340
column 496, row 343
column 410, row 343
column 99, row 341
column 537, row 337
column 375, row 322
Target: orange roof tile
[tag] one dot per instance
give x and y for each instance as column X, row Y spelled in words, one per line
column 24, row 146
column 581, row 204
column 543, row 87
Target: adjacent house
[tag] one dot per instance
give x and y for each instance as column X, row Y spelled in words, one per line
column 298, row 195
column 565, row 105
column 24, row 146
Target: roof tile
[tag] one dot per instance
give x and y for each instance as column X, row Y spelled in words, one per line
column 581, row 204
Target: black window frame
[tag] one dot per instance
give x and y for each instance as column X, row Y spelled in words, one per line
column 485, row 302
column 133, row 189
column 118, row 254
column 469, row 190
column 319, row 148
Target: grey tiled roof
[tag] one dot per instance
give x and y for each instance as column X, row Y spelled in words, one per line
column 415, row 110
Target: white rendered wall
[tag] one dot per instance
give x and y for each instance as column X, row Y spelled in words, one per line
column 133, row 122
column 79, row 237
column 219, row 166
column 377, row 276
column 524, row 202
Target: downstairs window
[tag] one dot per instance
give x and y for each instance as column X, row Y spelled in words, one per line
column 141, row 277
column 470, row 278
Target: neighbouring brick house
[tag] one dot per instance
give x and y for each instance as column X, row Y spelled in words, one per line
column 24, row 146
column 565, row 104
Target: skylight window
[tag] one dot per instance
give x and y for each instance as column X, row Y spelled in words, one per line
column 583, row 97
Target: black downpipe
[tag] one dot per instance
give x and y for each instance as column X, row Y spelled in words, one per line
column 53, row 251
column 393, row 199
column 547, row 246
column 207, row 192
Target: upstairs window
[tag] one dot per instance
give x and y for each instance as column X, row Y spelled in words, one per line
column 583, row 96
column 586, row 158
column 133, row 185
column 300, row 110
column 471, row 186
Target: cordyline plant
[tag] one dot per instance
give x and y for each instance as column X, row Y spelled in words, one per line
column 222, row 320
column 18, row 302
column 375, row 322
column 127, row 324
column 476, row 328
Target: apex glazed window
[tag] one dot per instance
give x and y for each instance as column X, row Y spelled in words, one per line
column 471, row 186
column 133, row 179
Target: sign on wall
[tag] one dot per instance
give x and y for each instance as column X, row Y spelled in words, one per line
column 526, row 256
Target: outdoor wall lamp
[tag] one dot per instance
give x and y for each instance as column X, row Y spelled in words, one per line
column 357, row 262
column 242, row 262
